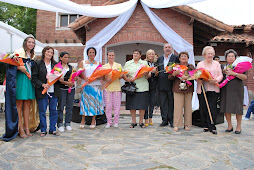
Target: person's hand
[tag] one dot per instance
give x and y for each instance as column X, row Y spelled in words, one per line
column 45, row 86
column 230, row 73
column 70, row 84
column 184, row 77
column 129, row 80
column 145, row 73
column 199, row 81
column 212, row 81
column 86, row 79
column 22, row 68
column 175, row 73
column 61, row 79
column 76, row 78
column 154, row 70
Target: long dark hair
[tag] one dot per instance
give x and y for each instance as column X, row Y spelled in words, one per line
column 44, row 51
column 25, row 45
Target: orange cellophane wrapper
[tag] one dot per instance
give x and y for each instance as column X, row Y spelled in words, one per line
column 97, row 74
column 203, row 74
column 13, row 62
column 52, row 79
column 115, row 74
column 142, row 71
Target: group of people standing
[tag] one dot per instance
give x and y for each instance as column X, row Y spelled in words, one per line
column 175, row 102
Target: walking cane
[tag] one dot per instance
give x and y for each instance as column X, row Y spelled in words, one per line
column 208, row 108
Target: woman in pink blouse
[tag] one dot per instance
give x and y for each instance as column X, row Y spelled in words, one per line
column 212, row 91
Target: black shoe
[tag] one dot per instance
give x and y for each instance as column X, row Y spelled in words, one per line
column 205, row 130
column 229, row 130
column 163, row 124
column 238, row 132
column 213, row 132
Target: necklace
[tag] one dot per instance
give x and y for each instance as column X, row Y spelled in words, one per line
column 91, row 63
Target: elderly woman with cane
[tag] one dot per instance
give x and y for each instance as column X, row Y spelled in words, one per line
column 208, row 92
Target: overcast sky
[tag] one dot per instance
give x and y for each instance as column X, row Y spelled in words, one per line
column 232, row 12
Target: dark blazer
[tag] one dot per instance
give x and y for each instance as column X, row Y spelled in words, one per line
column 39, row 73
column 163, row 82
column 66, row 77
column 152, row 80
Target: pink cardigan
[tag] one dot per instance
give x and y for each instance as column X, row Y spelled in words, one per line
column 216, row 72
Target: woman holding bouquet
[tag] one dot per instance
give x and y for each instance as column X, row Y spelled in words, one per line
column 211, row 90
column 91, row 96
column 39, row 78
column 182, row 95
column 112, row 94
column 232, row 94
column 24, row 89
column 139, row 100
column 150, row 57
column 65, row 98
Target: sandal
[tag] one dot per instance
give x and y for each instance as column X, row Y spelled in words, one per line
column 133, row 125
column 142, row 125
column 187, row 128
column 175, row 129
column 81, row 126
column 206, row 130
column 55, row 133
column 28, row 134
column 24, row 135
column 43, row 134
column 92, row 126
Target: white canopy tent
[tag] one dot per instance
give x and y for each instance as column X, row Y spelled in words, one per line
column 12, row 39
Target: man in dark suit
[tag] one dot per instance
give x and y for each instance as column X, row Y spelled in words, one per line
column 165, row 85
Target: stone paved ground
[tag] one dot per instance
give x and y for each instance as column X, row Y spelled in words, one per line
column 124, row 148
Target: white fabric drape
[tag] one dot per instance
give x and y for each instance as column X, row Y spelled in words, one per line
column 108, row 11
column 67, row 6
column 179, row 44
column 101, row 38
column 168, row 3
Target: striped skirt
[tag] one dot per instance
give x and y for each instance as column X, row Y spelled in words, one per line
column 91, row 101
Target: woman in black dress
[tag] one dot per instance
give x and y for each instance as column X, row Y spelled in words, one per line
column 232, row 94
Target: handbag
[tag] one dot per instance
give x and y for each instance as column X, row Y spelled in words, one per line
column 129, row 88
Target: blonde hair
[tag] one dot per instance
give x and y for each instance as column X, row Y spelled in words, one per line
column 207, row 48
column 149, row 52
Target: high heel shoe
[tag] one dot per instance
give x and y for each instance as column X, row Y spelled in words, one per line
column 229, row 130
column 24, row 135
column 28, row 134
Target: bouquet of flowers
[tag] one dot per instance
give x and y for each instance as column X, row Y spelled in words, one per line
column 98, row 73
column 173, row 67
column 141, row 70
column 201, row 73
column 240, row 65
column 54, row 76
column 13, row 59
column 75, row 73
column 115, row 74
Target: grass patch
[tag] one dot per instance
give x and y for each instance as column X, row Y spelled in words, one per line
column 162, row 167
column 203, row 141
column 80, row 147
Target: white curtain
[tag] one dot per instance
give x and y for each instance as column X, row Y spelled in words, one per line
column 67, row 6
column 179, row 44
column 101, row 38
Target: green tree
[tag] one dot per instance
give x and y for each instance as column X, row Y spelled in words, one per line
column 22, row 18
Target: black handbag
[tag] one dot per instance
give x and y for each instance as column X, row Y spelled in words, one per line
column 129, row 88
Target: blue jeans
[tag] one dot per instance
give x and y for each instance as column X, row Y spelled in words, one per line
column 66, row 99
column 43, row 104
column 250, row 110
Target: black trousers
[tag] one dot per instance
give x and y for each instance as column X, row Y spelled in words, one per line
column 167, row 106
column 212, row 98
column 152, row 99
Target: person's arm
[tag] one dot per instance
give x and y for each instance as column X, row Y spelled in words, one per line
column 237, row 75
column 35, row 76
column 82, row 75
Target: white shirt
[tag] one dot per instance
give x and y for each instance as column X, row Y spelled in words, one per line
column 51, row 88
column 166, row 60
